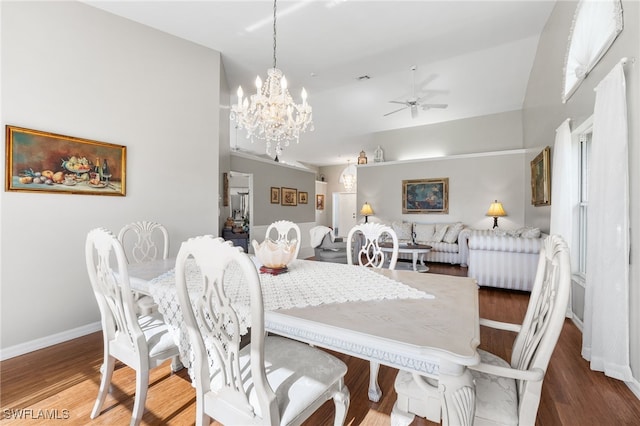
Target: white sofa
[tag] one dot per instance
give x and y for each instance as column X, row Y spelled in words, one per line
column 448, row 241
column 505, row 259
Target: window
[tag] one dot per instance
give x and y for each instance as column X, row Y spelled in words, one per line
column 583, row 201
column 596, row 25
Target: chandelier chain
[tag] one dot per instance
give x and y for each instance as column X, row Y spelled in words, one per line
column 274, row 33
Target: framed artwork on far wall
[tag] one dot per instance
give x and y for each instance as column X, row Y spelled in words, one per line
column 320, row 202
column 303, row 198
column 288, row 196
column 541, row 179
column 275, row 195
column 38, row 161
column 425, row 196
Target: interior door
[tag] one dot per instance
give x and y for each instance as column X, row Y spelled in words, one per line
column 344, row 213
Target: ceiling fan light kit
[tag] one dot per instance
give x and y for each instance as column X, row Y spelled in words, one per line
column 414, row 102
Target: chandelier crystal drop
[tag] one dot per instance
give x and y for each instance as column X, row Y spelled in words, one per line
column 271, row 114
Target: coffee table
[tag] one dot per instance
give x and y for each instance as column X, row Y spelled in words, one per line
column 417, row 252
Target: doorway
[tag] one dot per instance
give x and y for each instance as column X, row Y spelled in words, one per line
column 344, row 213
column 241, row 200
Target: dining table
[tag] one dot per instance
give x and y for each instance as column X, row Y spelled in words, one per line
column 422, row 323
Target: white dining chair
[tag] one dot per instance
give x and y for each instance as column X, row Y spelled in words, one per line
column 283, row 229
column 144, row 241
column 363, row 243
column 270, row 381
column 506, row 393
column 141, row 342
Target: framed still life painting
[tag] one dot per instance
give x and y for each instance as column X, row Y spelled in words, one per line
column 38, row 161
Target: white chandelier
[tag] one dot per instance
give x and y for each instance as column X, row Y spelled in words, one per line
column 349, row 177
column 271, row 114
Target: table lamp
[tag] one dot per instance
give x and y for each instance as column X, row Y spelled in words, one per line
column 366, row 211
column 496, row 210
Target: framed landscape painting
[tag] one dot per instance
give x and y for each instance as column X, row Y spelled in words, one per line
column 38, row 161
column 541, row 179
column 425, row 196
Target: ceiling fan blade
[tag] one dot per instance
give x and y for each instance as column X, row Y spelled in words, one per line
column 398, row 102
column 414, row 111
column 429, row 106
column 392, row 112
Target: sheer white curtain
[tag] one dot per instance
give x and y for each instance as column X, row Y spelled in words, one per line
column 561, row 177
column 606, row 317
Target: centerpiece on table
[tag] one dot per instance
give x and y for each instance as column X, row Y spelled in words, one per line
column 274, row 255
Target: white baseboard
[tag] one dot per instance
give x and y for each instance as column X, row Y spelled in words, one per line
column 635, row 387
column 43, row 342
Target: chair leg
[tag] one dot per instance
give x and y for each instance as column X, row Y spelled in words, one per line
column 142, row 385
column 105, row 383
column 176, row 364
column 400, row 417
column 341, row 400
column 374, row 389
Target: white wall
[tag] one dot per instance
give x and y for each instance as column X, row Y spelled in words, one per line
column 543, row 112
column 72, row 69
column 474, row 182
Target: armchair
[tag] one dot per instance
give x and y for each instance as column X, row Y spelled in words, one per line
column 507, row 393
column 328, row 249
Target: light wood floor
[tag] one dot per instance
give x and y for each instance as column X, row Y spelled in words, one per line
column 62, row 382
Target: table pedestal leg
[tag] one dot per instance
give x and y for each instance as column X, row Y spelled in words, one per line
column 414, row 258
column 374, row 389
column 458, row 395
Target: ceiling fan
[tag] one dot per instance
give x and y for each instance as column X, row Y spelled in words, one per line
column 414, row 102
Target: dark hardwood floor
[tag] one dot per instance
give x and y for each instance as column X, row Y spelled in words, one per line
column 58, row 385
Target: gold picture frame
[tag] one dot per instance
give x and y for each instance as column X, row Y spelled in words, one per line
column 320, row 202
column 225, row 189
column 303, row 198
column 541, row 179
column 425, row 196
column 288, row 196
column 38, row 161
column 275, row 195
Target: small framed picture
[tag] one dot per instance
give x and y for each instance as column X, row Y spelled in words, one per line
column 275, row 195
column 320, row 202
column 303, row 198
column 289, row 196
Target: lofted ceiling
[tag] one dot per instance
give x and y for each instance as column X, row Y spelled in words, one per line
column 475, row 56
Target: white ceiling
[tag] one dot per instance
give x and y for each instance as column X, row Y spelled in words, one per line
column 475, row 56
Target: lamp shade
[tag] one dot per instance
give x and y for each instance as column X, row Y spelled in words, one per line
column 366, row 210
column 496, row 209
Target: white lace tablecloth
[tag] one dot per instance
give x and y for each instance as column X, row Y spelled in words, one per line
column 307, row 283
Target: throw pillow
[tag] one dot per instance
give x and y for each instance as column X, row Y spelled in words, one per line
column 403, row 230
column 452, row 233
column 424, row 232
column 528, row 232
column 438, row 235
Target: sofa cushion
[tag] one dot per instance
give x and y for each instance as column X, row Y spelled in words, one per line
column 451, row 236
column 438, row 234
column 403, row 230
column 424, row 231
